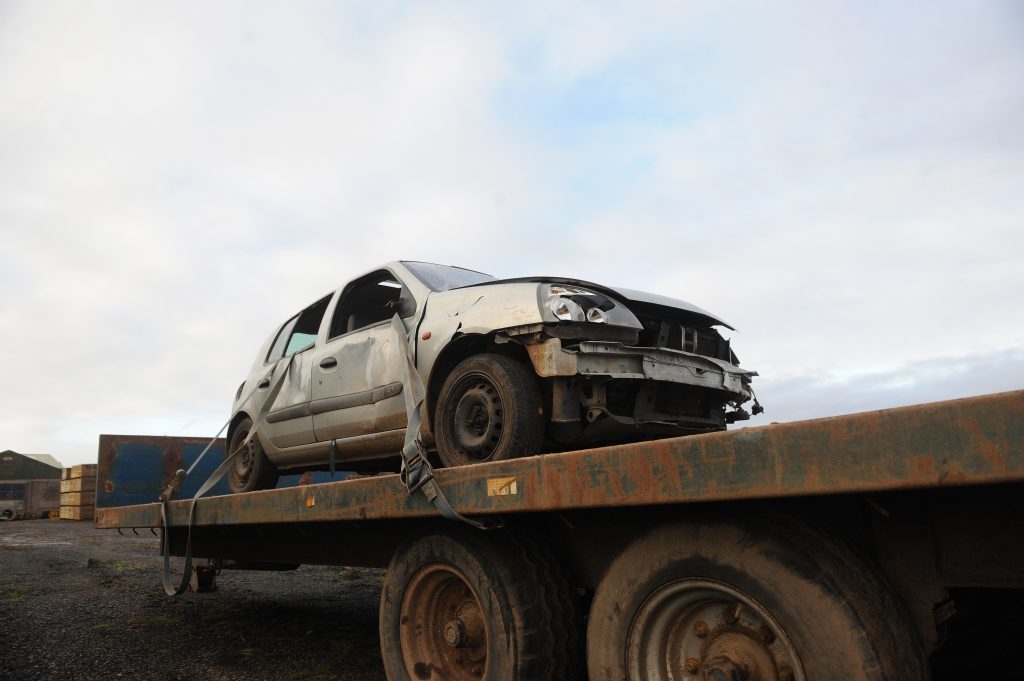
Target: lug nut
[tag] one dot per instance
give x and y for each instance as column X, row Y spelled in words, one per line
column 692, row 665
column 455, row 634
column 700, row 629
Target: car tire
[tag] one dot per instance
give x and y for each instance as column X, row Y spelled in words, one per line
column 251, row 470
column 467, row 605
column 489, row 409
column 767, row 597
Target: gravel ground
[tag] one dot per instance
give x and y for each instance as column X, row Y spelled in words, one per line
column 81, row 603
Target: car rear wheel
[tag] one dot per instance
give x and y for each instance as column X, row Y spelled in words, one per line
column 489, row 409
column 251, row 469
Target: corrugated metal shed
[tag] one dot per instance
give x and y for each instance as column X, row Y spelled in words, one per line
column 15, row 466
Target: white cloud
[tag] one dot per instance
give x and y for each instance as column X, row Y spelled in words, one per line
column 817, row 394
column 841, row 183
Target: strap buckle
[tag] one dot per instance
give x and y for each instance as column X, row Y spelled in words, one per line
column 416, row 469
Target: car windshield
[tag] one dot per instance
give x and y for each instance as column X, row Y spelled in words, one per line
column 443, row 277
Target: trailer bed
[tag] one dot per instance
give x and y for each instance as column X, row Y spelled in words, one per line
column 964, row 442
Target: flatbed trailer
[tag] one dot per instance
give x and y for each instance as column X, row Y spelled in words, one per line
column 836, row 548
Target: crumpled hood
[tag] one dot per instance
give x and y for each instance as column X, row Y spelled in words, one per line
column 624, row 294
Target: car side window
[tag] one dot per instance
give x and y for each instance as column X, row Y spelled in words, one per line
column 277, row 349
column 299, row 332
column 370, row 300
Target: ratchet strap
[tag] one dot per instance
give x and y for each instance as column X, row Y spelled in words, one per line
column 417, row 473
column 180, row 475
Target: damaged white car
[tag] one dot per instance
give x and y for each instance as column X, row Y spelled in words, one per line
column 512, row 367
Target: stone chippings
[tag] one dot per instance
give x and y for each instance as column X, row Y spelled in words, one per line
column 81, row 603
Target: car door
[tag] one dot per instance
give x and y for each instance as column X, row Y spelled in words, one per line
column 357, row 373
column 289, row 422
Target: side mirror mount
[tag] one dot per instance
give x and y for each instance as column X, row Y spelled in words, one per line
column 404, row 306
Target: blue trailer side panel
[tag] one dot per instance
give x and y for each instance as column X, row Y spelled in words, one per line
column 136, row 469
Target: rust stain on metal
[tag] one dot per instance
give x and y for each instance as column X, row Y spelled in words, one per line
column 986, row 448
column 172, row 460
column 972, row 441
column 105, row 462
column 924, row 466
column 812, row 476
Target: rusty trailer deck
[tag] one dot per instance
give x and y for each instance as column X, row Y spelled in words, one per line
column 972, row 441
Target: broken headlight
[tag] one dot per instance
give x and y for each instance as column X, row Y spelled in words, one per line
column 574, row 304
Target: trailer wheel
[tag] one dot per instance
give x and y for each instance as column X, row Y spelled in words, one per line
column 489, row 409
column 765, row 600
column 251, row 469
column 7, row 514
column 472, row 606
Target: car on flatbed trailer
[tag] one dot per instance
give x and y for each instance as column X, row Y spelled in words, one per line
column 836, row 549
column 508, row 365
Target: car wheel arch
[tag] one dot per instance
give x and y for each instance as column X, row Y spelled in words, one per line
column 235, row 420
column 459, row 348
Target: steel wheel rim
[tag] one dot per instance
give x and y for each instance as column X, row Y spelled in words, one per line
column 477, row 419
column 443, row 633
column 706, row 630
column 241, row 470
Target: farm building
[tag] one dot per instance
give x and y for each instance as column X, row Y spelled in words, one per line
column 15, row 466
column 29, row 485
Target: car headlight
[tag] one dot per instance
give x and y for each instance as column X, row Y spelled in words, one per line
column 575, row 304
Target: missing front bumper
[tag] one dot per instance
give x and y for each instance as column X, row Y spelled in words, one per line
column 618, row 361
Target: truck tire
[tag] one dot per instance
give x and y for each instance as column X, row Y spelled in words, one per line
column 251, row 469
column 489, row 409
column 476, row 606
column 760, row 599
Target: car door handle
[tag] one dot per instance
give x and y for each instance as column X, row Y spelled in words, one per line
column 265, row 383
column 328, row 363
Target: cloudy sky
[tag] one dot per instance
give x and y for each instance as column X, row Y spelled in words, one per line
column 843, row 182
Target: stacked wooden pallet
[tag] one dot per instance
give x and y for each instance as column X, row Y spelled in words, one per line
column 78, row 492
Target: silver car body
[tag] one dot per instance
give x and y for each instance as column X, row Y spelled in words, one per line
column 343, row 389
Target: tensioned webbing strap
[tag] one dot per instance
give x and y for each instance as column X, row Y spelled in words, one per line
column 211, row 481
column 417, row 473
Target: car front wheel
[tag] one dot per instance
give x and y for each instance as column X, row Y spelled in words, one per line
column 489, row 409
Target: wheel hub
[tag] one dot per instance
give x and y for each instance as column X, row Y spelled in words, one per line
column 704, row 630
column 477, row 422
column 244, row 459
column 734, row 655
column 478, row 419
column 443, row 633
column 455, row 634
column 724, row 669
column 467, row 629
